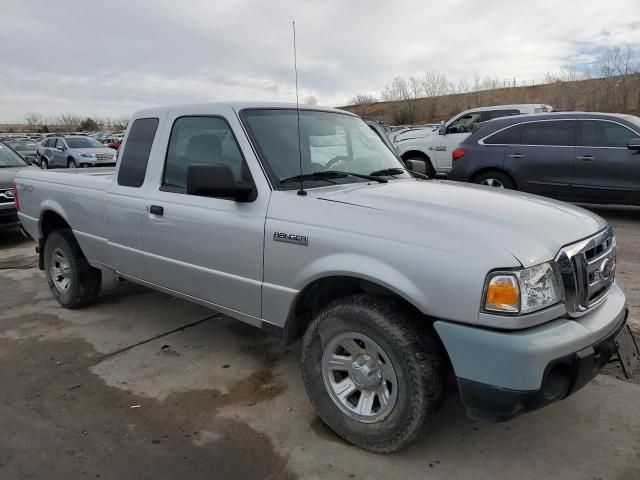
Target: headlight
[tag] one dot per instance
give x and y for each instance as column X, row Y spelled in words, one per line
column 522, row 291
column 86, row 155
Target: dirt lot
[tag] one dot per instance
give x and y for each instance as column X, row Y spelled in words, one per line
column 143, row 385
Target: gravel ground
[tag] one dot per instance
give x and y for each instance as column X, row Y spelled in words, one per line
column 142, row 385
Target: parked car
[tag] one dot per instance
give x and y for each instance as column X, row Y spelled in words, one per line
column 74, row 151
column 26, row 149
column 578, row 157
column 394, row 282
column 10, row 164
column 434, row 145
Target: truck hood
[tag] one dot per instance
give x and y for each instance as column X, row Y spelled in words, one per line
column 8, row 174
column 531, row 228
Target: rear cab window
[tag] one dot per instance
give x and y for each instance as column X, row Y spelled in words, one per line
column 135, row 156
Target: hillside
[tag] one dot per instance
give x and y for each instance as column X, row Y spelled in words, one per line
column 613, row 94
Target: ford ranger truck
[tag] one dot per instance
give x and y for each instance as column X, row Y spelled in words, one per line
column 318, row 231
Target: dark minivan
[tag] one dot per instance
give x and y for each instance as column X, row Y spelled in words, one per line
column 573, row 156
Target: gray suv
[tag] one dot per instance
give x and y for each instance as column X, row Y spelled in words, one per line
column 73, row 151
column 578, row 157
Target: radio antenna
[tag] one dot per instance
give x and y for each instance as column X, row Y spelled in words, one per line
column 295, row 68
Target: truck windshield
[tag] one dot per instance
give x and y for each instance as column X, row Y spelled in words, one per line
column 9, row 158
column 328, row 142
column 83, row 142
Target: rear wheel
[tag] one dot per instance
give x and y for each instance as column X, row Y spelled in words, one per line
column 373, row 372
column 73, row 282
column 496, row 179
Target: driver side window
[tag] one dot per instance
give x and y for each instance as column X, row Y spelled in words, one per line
column 465, row 123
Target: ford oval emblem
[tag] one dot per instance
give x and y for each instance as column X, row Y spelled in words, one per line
column 606, row 269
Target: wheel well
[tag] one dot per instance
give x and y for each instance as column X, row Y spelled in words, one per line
column 323, row 291
column 50, row 222
column 482, row 171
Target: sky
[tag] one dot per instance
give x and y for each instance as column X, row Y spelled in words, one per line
column 109, row 59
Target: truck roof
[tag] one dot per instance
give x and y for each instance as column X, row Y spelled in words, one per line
column 237, row 106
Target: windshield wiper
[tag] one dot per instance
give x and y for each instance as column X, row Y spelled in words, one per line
column 329, row 174
column 387, row 171
column 397, row 171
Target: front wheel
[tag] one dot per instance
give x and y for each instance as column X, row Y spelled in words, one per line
column 73, row 282
column 374, row 373
column 44, row 164
column 71, row 163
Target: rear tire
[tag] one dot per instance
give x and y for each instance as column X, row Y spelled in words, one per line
column 496, row 179
column 377, row 415
column 73, row 282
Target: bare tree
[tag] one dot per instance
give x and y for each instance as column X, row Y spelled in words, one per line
column 363, row 99
column 68, row 121
column 399, row 92
column 34, row 121
column 434, row 84
column 310, row 100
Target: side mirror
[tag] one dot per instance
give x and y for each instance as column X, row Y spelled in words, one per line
column 634, row 144
column 216, row 181
column 442, row 130
column 417, row 166
column 60, row 147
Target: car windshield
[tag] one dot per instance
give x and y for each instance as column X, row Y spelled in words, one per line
column 329, row 142
column 83, row 142
column 9, row 158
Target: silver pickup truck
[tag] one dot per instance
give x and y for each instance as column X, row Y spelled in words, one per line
column 305, row 224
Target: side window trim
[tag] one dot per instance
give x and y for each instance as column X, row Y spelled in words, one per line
column 481, row 141
column 172, row 189
column 601, row 120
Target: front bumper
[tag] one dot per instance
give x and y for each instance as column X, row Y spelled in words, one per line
column 8, row 217
column 502, row 374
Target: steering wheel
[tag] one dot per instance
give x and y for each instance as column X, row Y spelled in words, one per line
column 462, row 129
column 334, row 160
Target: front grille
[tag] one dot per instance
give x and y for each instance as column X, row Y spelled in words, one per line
column 104, row 156
column 588, row 271
column 6, row 195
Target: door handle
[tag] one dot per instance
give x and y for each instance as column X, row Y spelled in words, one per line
column 156, row 210
column 517, row 155
column 586, row 158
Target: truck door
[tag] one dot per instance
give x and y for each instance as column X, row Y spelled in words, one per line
column 208, row 248
column 542, row 161
column 455, row 132
column 125, row 203
column 605, row 169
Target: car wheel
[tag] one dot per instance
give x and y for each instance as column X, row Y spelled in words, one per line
column 372, row 371
column 71, row 163
column 495, row 179
column 44, row 164
column 73, row 282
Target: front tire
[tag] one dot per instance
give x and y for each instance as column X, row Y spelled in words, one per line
column 73, row 282
column 373, row 371
column 71, row 163
column 44, row 165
